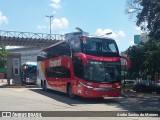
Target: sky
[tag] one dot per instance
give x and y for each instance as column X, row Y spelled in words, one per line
column 94, row 16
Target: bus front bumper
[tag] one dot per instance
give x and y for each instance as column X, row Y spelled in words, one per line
column 99, row 92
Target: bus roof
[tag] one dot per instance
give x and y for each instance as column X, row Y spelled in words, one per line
column 53, row 45
column 74, row 34
column 100, row 37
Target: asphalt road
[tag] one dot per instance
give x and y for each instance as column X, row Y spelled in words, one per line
column 34, row 99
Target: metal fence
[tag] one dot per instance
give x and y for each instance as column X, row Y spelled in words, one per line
column 31, row 35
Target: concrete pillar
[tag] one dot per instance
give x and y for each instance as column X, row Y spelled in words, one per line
column 13, row 68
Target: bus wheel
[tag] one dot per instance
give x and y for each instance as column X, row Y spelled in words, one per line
column 70, row 92
column 45, row 86
column 42, row 84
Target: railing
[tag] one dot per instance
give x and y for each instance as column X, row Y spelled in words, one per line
column 31, row 35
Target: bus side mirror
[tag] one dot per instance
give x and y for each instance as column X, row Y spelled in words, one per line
column 128, row 61
column 83, row 56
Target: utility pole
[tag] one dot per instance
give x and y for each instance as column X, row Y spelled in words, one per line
column 50, row 18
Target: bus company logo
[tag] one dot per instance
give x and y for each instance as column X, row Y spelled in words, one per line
column 55, row 63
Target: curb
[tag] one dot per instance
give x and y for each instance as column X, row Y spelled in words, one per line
column 17, row 86
column 7, row 86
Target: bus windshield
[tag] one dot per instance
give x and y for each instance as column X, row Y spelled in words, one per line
column 100, row 47
column 31, row 72
column 102, row 72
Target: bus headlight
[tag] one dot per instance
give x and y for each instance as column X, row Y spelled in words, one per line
column 119, row 87
column 87, row 86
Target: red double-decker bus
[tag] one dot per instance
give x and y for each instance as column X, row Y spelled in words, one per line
column 81, row 65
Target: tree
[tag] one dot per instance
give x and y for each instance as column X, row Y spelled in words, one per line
column 147, row 13
column 3, row 56
column 145, row 59
column 152, row 51
column 137, row 56
column 148, row 18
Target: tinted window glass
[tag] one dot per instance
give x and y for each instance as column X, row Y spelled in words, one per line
column 100, row 47
column 59, row 50
column 58, row 72
column 75, row 44
column 103, row 72
column 78, row 67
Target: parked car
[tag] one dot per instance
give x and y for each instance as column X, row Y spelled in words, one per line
column 128, row 84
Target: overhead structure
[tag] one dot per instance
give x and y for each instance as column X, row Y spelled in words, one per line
column 28, row 39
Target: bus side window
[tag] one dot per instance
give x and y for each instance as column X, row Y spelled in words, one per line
column 78, row 67
column 76, row 44
column 58, row 72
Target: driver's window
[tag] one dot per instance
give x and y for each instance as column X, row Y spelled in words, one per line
column 112, row 47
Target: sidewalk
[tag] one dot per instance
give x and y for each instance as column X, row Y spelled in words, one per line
column 4, row 84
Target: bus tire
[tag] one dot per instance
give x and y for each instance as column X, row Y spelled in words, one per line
column 45, row 86
column 70, row 91
column 42, row 85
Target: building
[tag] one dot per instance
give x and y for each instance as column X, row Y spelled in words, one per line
column 27, row 54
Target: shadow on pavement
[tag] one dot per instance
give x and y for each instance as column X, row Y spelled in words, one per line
column 131, row 101
column 62, row 97
column 140, row 102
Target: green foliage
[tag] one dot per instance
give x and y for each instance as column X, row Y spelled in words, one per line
column 137, row 55
column 3, row 56
column 147, row 12
column 152, row 50
column 145, row 58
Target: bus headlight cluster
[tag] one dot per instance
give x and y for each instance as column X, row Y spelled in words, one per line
column 87, row 86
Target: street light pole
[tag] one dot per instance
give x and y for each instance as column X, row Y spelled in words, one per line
column 50, row 17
